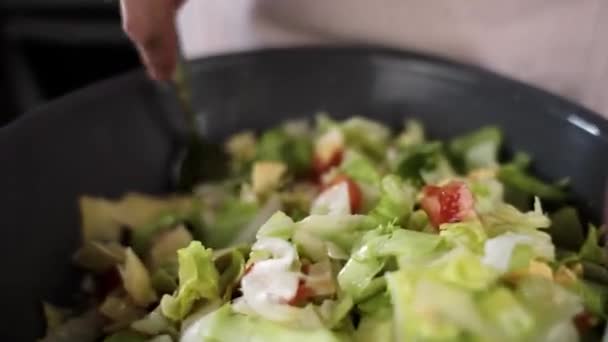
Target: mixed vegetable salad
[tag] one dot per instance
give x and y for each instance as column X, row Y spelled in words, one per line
column 343, row 231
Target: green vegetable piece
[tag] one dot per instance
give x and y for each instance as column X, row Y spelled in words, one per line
column 371, row 137
column 566, row 229
column 418, row 159
column 478, row 149
column 295, row 151
column 412, row 134
column 591, row 250
column 164, row 280
column 396, row 201
column 228, row 326
column 507, row 314
column 279, row 225
column 360, row 168
column 230, row 219
column 198, row 279
column 125, row 336
column 513, row 176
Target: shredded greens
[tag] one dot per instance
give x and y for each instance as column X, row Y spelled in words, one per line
column 344, row 231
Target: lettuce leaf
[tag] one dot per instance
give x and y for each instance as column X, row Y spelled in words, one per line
column 412, row 134
column 279, row 225
column 198, row 279
column 227, row 326
column 513, row 176
column 507, row 314
column 316, row 233
column 369, row 136
column 279, row 145
column 478, row 149
column 500, row 250
column 358, row 276
column 418, row 160
column 469, row 234
column 229, row 220
column 396, row 203
column 591, row 250
column 360, row 168
column 506, row 218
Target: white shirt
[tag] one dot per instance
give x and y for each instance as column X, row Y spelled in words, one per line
column 558, row 45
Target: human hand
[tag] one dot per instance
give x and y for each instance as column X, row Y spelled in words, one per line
column 150, row 24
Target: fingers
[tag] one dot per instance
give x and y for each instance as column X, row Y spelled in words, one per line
column 150, row 24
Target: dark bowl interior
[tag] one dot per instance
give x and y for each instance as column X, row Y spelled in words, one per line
column 122, row 135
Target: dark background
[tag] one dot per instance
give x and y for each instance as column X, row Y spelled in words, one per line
column 51, row 47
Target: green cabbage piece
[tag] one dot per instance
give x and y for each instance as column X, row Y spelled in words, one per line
column 316, row 235
column 488, row 194
column 198, row 279
column 591, row 250
column 125, row 336
column 358, row 276
column 506, row 218
column 374, row 328
column 504, row 311
column 279, row 225
column 226, row 325
column 396, row 203
column 365, row 135
column 422, row 162
column 513, row 176
column 412, row 134
column 360, row 168
column 547, row 301
column 369, row 136
column 278, row 144
column 478, row 149
column 230, row 219
column 469, row 234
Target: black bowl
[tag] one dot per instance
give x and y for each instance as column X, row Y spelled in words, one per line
column 123, row 134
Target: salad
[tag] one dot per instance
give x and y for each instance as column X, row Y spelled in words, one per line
column 343, row 231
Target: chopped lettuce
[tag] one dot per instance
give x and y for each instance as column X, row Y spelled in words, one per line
column 281, row 145
column 591, row 250
column 396, row 203
column 499, row 251
column 513, row 176
column 126, row 336
column 478, row 149
column 279, row 225
column 227, row 325
column 230, row 219
column 412, row 134
column 506, row 218
column 136, row 279
column 468, row 234
column 369, row 136
column 358, row 276
column 414, row 162
column 198, row 279
column 297, row 265
column 360, row 168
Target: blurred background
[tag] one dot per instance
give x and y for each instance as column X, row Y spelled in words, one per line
column 51, row 47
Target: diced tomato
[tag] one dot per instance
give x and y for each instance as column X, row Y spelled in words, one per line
column 584, row 321
column 452, row 202
column 354, row 192
column 302, row 294
column 321, row 165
